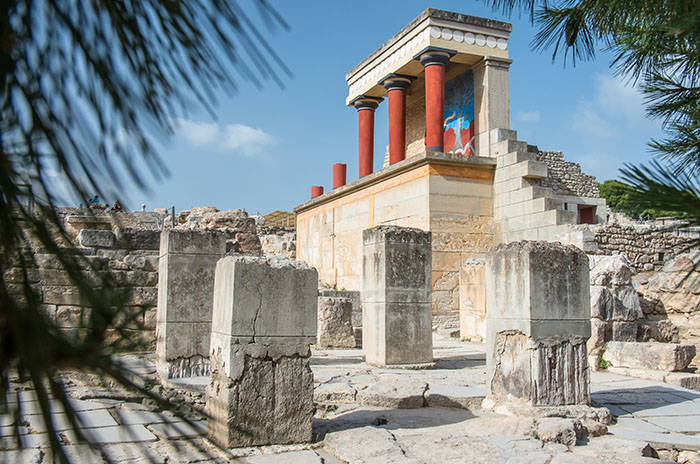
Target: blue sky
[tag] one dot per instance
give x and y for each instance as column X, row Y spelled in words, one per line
column 268, row 146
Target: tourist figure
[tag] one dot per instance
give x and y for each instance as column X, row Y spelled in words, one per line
column 94, row 201
column 117, row 206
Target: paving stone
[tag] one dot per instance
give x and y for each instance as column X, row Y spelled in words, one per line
column 143, row 417
column 86, row 419
column 26, row 456
column 115, row 434
column 635, row 424
column 455, row 396
column 179, row 429
column 394, row 393
column 682, row 424
column 28, row 441
column 686, row 408
column 366, row 445
column 667, row 440
column 296, row 457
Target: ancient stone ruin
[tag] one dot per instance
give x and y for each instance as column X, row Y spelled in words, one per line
column 396, row 296
column 264, row 319
column 537, row 324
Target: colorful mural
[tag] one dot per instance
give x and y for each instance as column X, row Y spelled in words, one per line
column 459, row 115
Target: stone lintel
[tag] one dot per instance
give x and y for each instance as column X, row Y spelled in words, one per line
column 472, row 38
column 444, row 164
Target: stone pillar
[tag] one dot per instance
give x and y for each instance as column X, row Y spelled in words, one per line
column 335, row 322
column 537, row 317
column 472, row 299
column 339, row 174
column 396, row 296
column 396, row 86
column 316, row 191
column 261, row 388
column 491, row 101
column 185, row 294
column 434, row 60
column 365, row 113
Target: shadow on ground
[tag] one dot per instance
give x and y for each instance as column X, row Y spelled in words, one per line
column 391, row 419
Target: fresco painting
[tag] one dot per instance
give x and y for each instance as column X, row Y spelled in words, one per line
column 459, row 115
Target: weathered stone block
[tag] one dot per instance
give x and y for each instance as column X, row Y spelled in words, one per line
column 96, row 238
column 650, row 355
column 624, row 331
column 335, row 323
column 268, row 400
column 185, row 299
column 599, row 331
column 195, row 242
column 261, row 298
column 264, row 318
column 396, row 296
column 538, row 321
column 601, row 302
column 354, row 297
column 626, row 306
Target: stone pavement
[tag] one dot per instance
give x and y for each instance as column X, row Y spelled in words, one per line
column 367, row 415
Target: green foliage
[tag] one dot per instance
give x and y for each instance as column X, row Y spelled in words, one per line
column 624, row 198
column 602, row 363
column 82, row 84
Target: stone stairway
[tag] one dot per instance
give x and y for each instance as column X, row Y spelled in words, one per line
column 522, row 209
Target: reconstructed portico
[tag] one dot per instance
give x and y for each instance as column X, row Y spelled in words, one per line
column 454, row 167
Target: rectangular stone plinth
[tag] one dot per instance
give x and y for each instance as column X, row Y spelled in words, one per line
column 537, row 317
column 649, row 355
column 185, row 297
column 260, row 395
column 263, row 322
column 396, row 296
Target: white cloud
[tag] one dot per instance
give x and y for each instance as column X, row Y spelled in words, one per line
column 589, row 121
column 246, row 140
column 620, row 100
column 528, row 116
column 198, row 133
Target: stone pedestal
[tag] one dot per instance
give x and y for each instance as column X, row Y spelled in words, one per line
column 261, row 388
column 537, row 315
column 396, row 296
column 472, row 300
column 185, row 295
column 335, row 323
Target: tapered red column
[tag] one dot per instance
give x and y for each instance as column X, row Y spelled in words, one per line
column 434, row 63
column 396, row 86
column 365, row 114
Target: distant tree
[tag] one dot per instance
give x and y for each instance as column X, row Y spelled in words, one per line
column 657, row 45
column 83, row 85
column 623, row 198
column 617, row 196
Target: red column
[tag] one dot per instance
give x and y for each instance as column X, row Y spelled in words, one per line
column 339, row 174
column 365, row 113
column 316, row 191
column 434, row 63
column 396, row 86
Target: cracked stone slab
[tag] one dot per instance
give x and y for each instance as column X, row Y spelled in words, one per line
column 296, row 457
column 455, row 396
column 397, row 394
column 367, row 445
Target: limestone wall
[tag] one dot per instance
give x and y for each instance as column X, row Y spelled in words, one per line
column 671, row 300
column 647, row 246
column 565, row 177
column 123, row 248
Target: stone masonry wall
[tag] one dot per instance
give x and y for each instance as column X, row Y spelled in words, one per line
column 565, row 177
column 123, row 247
column 647, row 246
